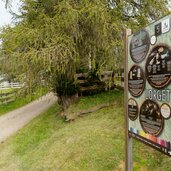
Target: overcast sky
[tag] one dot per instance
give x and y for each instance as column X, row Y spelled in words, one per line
column 5, row 16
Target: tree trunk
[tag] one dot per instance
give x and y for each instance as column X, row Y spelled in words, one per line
column 66, row 101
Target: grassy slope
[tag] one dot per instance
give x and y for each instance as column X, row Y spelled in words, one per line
column 92, row 143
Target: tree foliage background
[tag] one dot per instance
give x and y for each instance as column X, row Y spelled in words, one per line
column 53, row 39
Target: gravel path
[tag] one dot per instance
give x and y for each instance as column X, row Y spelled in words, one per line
column 11, row 122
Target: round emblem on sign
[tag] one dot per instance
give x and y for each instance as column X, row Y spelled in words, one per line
column 150, row 117
column 139, row 46
column 132, row 109
column 153, row 40
column 158, row 66
column 136, row 81
column 165, row 110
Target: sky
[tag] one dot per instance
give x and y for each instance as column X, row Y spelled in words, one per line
column 5, row 16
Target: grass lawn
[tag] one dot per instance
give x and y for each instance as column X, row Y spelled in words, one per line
column 94, row 142
column 20, row 101
column 6, row 90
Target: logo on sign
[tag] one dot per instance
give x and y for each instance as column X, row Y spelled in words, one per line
column 158, row 29
column 166, row 25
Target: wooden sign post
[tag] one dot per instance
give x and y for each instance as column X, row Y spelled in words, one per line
column 128, row 143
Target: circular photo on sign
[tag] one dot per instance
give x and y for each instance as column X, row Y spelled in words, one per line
column 150, row 118
column 136, row 81
column 165, row 110
column 139, row 46
column 158, row 66
column 132, row 109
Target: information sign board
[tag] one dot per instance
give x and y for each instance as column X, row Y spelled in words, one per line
column 149, row 85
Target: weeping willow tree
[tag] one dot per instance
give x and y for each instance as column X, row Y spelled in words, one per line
column 54, row 38
column 135, row 14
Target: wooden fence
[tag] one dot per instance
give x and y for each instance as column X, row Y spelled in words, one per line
column 5, row 98
column 8, row 92
column 109, row 78
column 7, row 85
column 119, row 80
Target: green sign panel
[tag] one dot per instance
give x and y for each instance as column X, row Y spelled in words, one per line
column 149, row 85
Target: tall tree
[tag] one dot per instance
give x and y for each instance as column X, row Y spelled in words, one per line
column 56, row 37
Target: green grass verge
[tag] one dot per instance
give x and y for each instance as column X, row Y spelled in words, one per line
column 94, row 142
column 20, row 101
column 6, row 90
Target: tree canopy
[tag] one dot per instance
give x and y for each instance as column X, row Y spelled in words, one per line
column 52, row 39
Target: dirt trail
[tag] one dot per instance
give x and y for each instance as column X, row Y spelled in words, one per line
column 11, row 122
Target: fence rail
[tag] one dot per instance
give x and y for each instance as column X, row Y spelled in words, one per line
column 8, row 91
column 119, row 80
column 110, row 79
column 5, row 98
column 7, row 85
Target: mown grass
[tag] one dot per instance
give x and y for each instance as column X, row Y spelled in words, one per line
column 20, row 100
column 94, row 142
column 6, row 90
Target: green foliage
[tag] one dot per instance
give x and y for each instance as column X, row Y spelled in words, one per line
column 66, row 86
column 55, row 38
column 138, row 13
